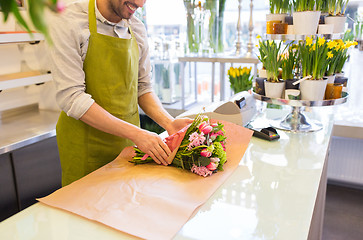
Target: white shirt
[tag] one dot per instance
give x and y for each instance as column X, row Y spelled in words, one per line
column 70, row 34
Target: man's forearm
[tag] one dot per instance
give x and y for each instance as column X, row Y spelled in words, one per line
column 151, row 105
column 99, row 118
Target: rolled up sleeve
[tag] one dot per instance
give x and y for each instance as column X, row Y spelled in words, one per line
column 67, row 67
column 144, row 81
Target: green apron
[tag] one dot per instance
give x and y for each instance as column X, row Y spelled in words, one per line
column 111, row 72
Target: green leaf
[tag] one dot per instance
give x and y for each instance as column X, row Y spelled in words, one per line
column 36, row 12
column 203, row 161
column 220, row 138
column 19, row 18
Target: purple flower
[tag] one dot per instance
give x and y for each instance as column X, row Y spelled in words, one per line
column 201, row 171
column 195, row 140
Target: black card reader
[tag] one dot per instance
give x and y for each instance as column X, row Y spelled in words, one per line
column 268, row 133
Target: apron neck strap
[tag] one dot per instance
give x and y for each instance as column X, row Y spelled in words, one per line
column 92, row 16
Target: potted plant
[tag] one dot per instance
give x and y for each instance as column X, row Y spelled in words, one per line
column 272, row 61
column 288, row 66
column 240, row 79
column 340, row 52
column 337, row 15
column 306, row 16
column 314, row 59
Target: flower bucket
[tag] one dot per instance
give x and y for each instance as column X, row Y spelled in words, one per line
column 260, row 85
column 313, row 90
column 325, row 28
column 338, row 22
column 290, row 85
column 330, row 78
column 274, row 89
column 342, row 80
column 276, row 17
column 306, row 22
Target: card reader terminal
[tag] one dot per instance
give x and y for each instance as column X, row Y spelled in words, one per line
column 268, row 133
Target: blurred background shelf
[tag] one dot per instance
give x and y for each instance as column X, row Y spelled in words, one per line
column 20, row 37
column 21, row 79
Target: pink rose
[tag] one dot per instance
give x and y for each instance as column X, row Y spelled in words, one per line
column 211, row 166
column 205, row 128
column 205, row 153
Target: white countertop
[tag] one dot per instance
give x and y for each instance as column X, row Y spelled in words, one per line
column 271, row 195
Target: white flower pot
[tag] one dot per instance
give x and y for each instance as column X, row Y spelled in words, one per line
column 276, row 17
column 290, row 29
column 330, row 78
column 274, row 89
column 325, row 28
column 306, row 23
column 341, row 74
column 262, row 73
column 338, row 22
column 313, row 90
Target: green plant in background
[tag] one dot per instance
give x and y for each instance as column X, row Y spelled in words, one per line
column 325, row 6
column 240, row 79
column 280, row 6
column 314, row 57
column 270, row 56
column 358, row 29
column 304, row 5
column 212, row 6
column 193, row 41
column 222, row 4
column 262, row 52
column 337, row 7
column 289, row 61
column 341, row 7
column 348, row 35
column 340, row 53
column 35, row 11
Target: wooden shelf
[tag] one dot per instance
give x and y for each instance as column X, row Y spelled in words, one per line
column 20, row 37
column 20, row 79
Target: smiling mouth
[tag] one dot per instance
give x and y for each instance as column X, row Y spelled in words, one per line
column 131, row 7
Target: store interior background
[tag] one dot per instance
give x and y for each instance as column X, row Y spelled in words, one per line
column 166, row 26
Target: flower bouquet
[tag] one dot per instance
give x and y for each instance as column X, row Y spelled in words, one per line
column 200, row 148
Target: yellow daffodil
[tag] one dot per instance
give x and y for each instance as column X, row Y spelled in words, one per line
column 258, row 37
column 331, row 44
column 314, row 47
column 294, row 46
column 309, row 41
column 321, row 41
column 355, row 43
column 330, row 54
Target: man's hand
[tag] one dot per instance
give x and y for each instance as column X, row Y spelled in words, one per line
column 177, row 124
column 151, row 144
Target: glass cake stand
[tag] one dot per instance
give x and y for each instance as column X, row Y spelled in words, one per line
column 296, row 121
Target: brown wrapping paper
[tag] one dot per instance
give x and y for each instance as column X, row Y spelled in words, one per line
column 148, row 201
